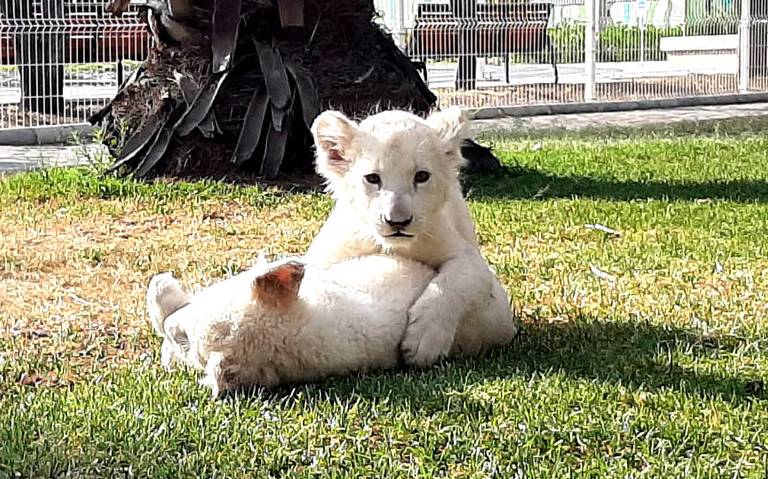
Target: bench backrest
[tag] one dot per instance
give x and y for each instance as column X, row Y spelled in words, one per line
column 67, row 9
column 518, row 12
column 538, row 12
column 499, row 27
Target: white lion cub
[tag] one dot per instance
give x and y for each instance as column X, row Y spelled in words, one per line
column 287, row 322
column 394, row 180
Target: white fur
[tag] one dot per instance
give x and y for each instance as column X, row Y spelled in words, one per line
column 349, row 317
column 464, row 308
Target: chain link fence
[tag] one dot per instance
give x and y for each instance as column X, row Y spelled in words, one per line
column 489, row 53
column 61, row 60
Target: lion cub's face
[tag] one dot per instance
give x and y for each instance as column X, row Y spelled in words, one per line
column 393, row 169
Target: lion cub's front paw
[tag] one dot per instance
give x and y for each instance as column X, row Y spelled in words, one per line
column 428, row 336
column 168, row 355
column 214, row 376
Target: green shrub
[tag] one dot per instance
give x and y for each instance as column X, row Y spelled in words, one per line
column 569, row 43
column 623, row 44
column 713, row 25
column 615, row 43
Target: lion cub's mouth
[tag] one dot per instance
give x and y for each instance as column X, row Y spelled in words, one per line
column 399, row 234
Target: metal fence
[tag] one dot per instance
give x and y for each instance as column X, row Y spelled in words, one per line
column 61, row 60
column 478, row 53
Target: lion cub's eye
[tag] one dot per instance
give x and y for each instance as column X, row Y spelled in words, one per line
column 421, row 177
column 373, row 179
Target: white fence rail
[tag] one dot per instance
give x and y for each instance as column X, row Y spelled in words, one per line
column 61, row 60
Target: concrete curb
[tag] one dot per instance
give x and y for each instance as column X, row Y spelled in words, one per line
column 44, row 135
column 612, row 106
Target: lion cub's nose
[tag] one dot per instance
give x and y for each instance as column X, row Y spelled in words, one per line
column 398, row 224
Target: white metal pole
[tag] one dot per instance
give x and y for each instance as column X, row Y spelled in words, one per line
column 590, row 40
column 744, row 34
column 401, row 23
column 642, row 40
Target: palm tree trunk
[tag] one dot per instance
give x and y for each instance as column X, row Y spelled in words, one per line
column 231, row 86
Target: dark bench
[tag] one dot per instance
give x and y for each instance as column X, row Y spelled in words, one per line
column 91, row 38
column 494, row 30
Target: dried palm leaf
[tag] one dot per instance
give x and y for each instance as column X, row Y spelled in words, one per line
column 306, row 91
column 275, row 76
column 274, row 149
column 201, row 105
column 226, row 22
column 181, row 32
column 253, row 124
column 159, row 146
column 138, row 142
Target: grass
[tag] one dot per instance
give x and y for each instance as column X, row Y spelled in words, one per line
column 654, row 369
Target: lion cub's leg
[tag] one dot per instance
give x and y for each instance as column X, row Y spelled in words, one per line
column 214, row 375
column 165, row 296
column 459, row 295
column 490, row 322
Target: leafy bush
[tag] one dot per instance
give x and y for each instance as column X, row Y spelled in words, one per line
column 615, row 43
column 569, row 43
column 713, row 25
column 623, row 44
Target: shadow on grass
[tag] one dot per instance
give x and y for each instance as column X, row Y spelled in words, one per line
column 618, row 353
column 527, row 183
column 633, row 355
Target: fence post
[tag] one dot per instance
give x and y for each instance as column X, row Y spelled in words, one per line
column 401, row 35
column 590, row 40
column 745, row 24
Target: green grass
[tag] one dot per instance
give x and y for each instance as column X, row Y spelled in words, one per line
column 658, row 372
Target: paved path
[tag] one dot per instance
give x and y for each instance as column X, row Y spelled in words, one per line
column 20, row 158
column 621, row 119
column 440, row 75
column 443, row 74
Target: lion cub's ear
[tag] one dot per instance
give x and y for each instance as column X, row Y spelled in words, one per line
column 279, row 287
column 450, row 125
column 334, row 136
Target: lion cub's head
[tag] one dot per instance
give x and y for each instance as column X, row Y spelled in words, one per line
column 394, row 169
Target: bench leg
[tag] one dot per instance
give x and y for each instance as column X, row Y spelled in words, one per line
column 120, row 72
column 553, row 59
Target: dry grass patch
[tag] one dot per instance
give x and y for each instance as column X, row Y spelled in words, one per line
column 73, row 278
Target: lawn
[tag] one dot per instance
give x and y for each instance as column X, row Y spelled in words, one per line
column 644, row 354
